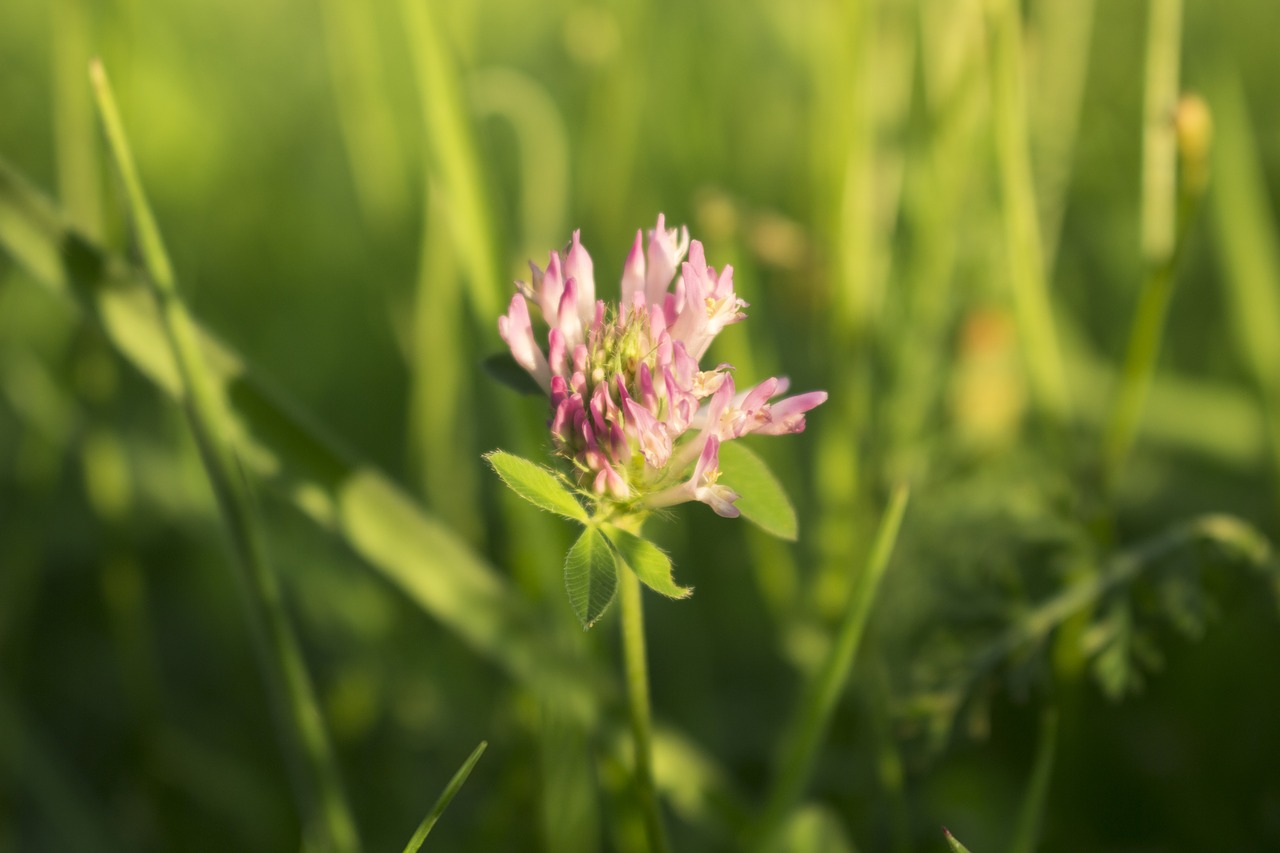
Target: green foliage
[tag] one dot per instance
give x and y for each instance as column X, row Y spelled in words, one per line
column 763, row 500
column 651, row 565
column 918, row 199
column 538, row 485
column 590, row 576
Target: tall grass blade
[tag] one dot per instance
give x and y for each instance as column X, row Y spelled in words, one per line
column 1022, row 239
column 818, row 704
column 1246, row 227
column 79, row 176
column 381, row 524
column 321, row 798
column 1166, row 215
column 446, row 796
column 452, row 162
column 1064, row 30
column 1036, row 799
column 367, row 120
column 543, row 150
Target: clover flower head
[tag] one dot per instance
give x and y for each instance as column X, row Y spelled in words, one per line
column 632, row 411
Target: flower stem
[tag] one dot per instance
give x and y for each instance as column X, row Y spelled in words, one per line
column 633, row 656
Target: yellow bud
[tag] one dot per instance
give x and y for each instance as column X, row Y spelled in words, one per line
column 1193, row 125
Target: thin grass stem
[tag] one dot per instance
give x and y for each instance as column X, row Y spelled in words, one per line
column 79, row 182
column 1031, row 813
column 1167, row 211
column 1246, row 228
column 1022, row 239
column 321, row 798
column 382, row 525
column 819, row 701
column 452, row 161
column 446, row 796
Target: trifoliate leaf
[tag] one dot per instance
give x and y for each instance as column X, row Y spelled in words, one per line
column 590, row 576
column 647, row 560
column 538, row 485
column 503, row 367
column 763, row 501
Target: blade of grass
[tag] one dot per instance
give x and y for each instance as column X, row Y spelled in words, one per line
column 446, row 796
column 819, row 701
column 1246, row 228
column 1167, row 211
column 321, row 799
column 77, row 156
column 381, row 523
column 441, row 435
column 939, row 194
column 543, row 150
column 1159, row 144
column 1022, row 239
column 452, row 163
column 366, row 119
column 1064, row 29
column 1031, row 814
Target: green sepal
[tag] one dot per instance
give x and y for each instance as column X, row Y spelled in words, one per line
column 649, row 562
column 590, row 576
column 538, row 485
column 762, row 499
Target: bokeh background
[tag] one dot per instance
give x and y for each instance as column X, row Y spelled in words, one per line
column 348, row 189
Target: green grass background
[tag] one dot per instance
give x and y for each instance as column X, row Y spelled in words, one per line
column 347, row 191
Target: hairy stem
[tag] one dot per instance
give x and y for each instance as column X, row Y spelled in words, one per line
column 637, row 674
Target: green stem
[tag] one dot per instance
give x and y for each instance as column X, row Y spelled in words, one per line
column 1166, row 215
column 1031, row 814
column 637, row 673
column 1246, row 229
column 1022, row 238
column 820, row 700
column 319, row 790
column 446, row 796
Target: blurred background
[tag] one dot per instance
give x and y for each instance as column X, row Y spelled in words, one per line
column 948, row 213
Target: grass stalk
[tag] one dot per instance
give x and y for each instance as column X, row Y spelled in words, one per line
column 446, row 796
column 381, row 524
column 452, row 162
column 321, row 798
column 1246, row 229
column 1031, row 813
column 819, row 702
column 1167, row 211
column 79, row 178
column 637, row 676
column 375, row 155
column 1064, row 29
column 1022, row 239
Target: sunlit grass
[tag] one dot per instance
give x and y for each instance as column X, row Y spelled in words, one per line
column 972, row 221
